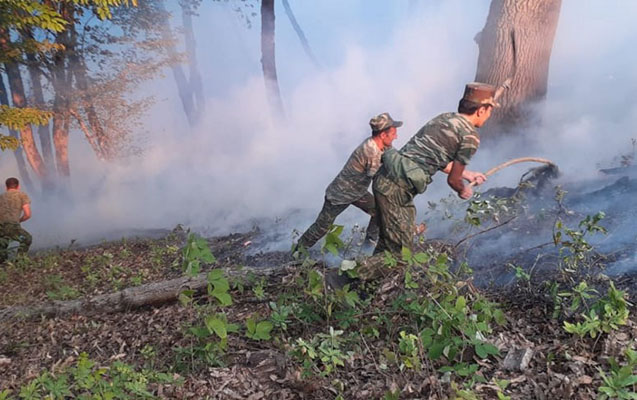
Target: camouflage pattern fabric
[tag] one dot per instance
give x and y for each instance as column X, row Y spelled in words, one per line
column 352, row 182
column 373, row 267
column 328, row 214
column 396, row 214
column 11, row 203
column 9, row 232
column 446, row 138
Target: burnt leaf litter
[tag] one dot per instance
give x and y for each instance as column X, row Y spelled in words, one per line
column 501, row 328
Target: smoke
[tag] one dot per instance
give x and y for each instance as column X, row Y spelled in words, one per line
column 241, row 168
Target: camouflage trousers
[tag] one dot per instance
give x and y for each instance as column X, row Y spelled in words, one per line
column 9, row 232
column 328, row 214
column 396, row 214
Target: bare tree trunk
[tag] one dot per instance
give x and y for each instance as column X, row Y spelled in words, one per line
column 104, row 149
column 19, row 158
column 300, row 34
column 516, row 42
column 61, row 143
column 43, row 130
column 61, row 81
column 26, row 134
column 268, row 61
column 196, row 84
column 183, row 87
column 155, row 293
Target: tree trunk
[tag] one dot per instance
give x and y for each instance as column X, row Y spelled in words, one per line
column 104, row 150
column 300, row 34
column 26, row 134
column 155, row 293
column 183, row 88
column 195, row 83
column 61, row 81
column 268, row 61
column 44, row 134
column 516, row 42
column 19, row 158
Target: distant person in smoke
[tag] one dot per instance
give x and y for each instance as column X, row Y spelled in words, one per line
column 15, row 207
column 446, row 143
column 350, row 187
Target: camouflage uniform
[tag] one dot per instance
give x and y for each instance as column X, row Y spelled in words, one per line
column 349, row 187
column 446, row 138
column 11, row 204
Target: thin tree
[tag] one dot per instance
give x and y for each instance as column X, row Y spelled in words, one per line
column 268, row 59
column 300, row 34
column 516, row 42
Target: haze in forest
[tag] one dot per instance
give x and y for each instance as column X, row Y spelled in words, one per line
column 240, row 167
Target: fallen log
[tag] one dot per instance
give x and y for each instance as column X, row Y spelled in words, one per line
column 151, row 294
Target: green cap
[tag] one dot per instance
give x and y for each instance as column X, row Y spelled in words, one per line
column 382, row 122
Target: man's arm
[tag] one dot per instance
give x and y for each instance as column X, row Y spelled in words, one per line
column 472, row 176
column 26, row 212
column 455, row 179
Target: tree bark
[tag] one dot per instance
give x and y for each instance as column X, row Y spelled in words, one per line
column 516, row 42
column 19, row 157
column 268, row 61
column 151, row 294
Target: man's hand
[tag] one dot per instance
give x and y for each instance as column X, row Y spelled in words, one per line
column 466, row 192
column 477, row 178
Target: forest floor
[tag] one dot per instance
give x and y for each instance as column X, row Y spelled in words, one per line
column 423, row 331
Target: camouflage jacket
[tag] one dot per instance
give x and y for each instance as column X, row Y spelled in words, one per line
column 448, row 137
column 11, row 203
column 352, row 182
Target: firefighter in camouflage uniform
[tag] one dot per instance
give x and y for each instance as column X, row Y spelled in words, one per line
column 446, row 143
column 15, row 207
column 350, row 187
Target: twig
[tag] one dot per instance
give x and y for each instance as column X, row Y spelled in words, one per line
column 483, row 231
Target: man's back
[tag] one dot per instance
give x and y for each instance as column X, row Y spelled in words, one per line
column 446, row 138
column 11, row 203
column 354, row 179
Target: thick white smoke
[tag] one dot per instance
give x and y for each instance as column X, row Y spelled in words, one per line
column 239, row 165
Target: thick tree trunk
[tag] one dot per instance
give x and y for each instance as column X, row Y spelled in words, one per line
column 146, row 295
column 19, row 158
column 516, row 42
column 268, row 61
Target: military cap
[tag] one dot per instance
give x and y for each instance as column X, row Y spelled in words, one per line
column 480, row 93
column 382, row 122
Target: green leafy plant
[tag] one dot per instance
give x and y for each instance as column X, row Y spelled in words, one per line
column 621, row 382
column 194, row 253
column 85, row 379
column 333, row 242
column 258, row 330
column 219, row 287
column 574, row 248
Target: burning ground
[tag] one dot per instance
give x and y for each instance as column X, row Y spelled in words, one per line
column 430, row 328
